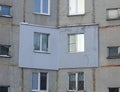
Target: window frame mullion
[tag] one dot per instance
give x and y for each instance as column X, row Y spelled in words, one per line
column 39, row 81
column 76, row 81
column 40, row 42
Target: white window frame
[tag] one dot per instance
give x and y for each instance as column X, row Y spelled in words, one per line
column 41, row 11
column 76, row 43
column 76, row 81
column 38, row 90
column 40, row 35
column 77, row 9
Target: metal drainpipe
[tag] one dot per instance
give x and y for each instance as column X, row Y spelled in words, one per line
column 93, row 13
column 94, row 79
column 24, row 11
column 22, row 80
column 57, row 78
column 58, row 2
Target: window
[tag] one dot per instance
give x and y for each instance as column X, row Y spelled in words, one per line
column 4, row 50
column 113, row 13
column 4, row 88
column 76, row 81
column 39, row 82
column 42, row 6
column 5, row 10
column 76, row 7
column 114, row 52
column 114, row 89
column 41, row 42
column 76, row 42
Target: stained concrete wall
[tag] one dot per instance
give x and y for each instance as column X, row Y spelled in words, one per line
column 40, row 19
column 63, row 83
column 52, row 83
column 101, row 14
column 64, row 19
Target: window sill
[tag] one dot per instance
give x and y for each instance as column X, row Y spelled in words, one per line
column 5, row 56
column 6, row 16
column 75, row 15
column 115, row 57
column 43, row 52
column 112, row 19
column 76, row 91
column 37, row 13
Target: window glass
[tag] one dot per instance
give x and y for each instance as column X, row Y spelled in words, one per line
column 113, row 51
column 41, row 6
column 4, row 50
column 76, row 43
column 41, row 41
column 80, row 6
column 113, row 14
column 76, row 81
column 45, row 6
column 80, row 42
column 72, row 7
column 36, row 41
column 44, row 42
column 5, row 10
column 81, row 81
column 37, row 4
column 72, row 82
column 43, row 81
column 34, row 80
column 39, row 82
column 76, row 7
column 113, row 89
column 3, row 89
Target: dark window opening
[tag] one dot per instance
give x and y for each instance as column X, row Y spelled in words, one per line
column 4, row 50
column 4, row 89
column 114, row 52
column 43, row 81
column 113, row 89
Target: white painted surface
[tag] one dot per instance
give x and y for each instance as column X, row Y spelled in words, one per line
column 58, row 56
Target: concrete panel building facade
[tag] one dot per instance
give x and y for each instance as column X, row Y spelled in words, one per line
column 59, row 45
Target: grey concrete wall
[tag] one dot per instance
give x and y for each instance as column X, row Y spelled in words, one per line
column 63, row 83
column 39, row 19
column 108, row 37
column 107, row 77
column 28, row 79
column 64, row 19
column 100, row 11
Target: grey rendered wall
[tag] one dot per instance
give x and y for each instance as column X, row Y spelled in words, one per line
column 51, row 79
column 100, row 11
column 107, row 75
column 63, row 83
column 64, row 19
column 39, row 19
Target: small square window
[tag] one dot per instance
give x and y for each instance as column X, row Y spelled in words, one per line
column 76, row 81
column 42, row 6
column 39, row 81
column 41, row 42
column 114, row 52
column 4, row 50
column 5, row 10
column 76, row 42
column 114, row 89
column 113, row 13
column 76, row 7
